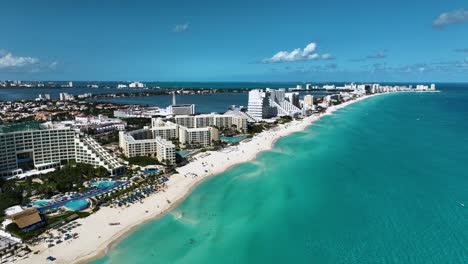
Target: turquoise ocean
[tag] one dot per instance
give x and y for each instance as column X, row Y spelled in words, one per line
column 380, row 181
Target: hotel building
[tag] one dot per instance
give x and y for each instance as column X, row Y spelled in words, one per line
column 143, row 143
column 201, row 137
column 217, row 120
column 308, row 101
column 258, row 105
column 166, row 130
column 272, row 103
column 30, row 147
column 185, row 109
column 194, row 131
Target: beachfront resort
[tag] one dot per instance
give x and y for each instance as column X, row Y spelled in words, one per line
column 58, row 178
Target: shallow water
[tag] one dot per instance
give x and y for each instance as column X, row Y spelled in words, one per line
column 380, row 181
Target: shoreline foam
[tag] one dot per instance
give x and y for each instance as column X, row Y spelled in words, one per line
column 97, row 237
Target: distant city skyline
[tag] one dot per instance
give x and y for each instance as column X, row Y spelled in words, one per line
column 363, row 40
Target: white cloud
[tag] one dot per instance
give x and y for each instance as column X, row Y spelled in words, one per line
column 311, row 47
column 452, row 17
column 308, row 53
column 327, row 56
column 181, row 27
column 8, row 60
column 313, row 56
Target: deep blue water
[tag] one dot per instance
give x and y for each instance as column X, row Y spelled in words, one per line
column 80, row 87
column 206, row 103
column 219, row 102
column 380, row 181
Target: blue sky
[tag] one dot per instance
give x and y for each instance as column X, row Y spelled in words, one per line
column 213, row 40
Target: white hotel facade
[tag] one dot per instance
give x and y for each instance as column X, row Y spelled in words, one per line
column 264, row 104
column 193, row 131
column 39, row 149
column 143, row 143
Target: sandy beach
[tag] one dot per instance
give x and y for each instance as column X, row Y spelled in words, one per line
column 96, row 236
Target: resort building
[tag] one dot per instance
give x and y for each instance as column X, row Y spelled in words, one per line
column 258, row 105
column 240, row 112
column 145, row 113
column 280, row 104
column 166, row 130
column 165, row 151
column 89, row 151
column 31, row 148
column 90, row 124
column 185, row 121
column 136, row 85
column 199, row 131
column 66, row 97
column 133, row 144
column 43, row 97
column 308, row 101
column 271, row 103
column 185, row 109
column 182, row 109
column 201, row 137
column 293, row 98
column 220, row 121
column 27, row 219
column 143, row 143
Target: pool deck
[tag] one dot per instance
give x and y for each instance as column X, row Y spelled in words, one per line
column 83, row 196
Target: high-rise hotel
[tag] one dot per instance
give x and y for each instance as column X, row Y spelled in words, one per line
column 264, row 104
column 31, row 148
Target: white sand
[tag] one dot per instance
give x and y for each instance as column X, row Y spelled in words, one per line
column 95, row 233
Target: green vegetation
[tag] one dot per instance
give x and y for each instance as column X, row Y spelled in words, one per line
column 230, row 131
column 284, row 119
column 258, row 128
column 13, row 228
column 321, row 109
column 62, row 116
column 9, row 195
column 254, row 129
column 134, row 123
column 108, row 138
column 93, row 110
column 69, row 178
column 142, row 161
column 157, row 180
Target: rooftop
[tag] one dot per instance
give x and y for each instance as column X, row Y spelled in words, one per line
column 26, row 218
column 23, row 126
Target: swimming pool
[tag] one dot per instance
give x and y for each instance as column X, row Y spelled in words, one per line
column 39, row 203
column 232, row 139
column 103, row 184
column 77, row 205
column 183, row 153
column 83, row 195
column 150, row 171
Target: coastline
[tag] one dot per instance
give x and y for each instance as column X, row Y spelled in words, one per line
column 97, row 236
